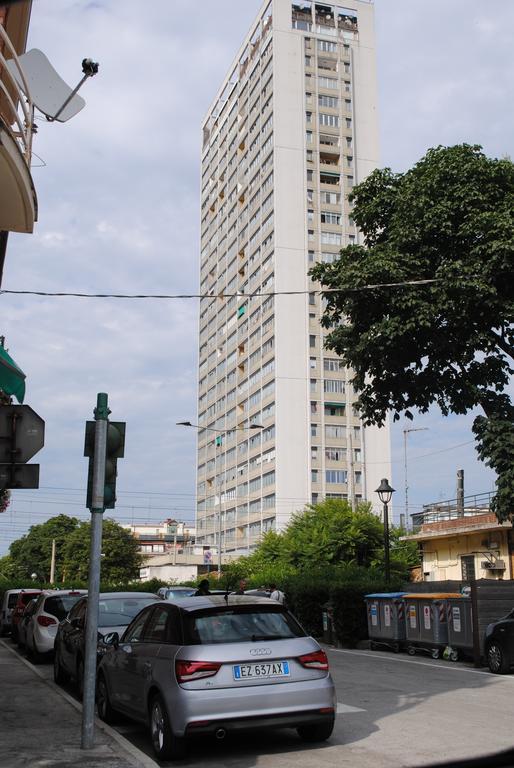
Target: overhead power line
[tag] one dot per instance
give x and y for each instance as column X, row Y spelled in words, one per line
column 222, row 295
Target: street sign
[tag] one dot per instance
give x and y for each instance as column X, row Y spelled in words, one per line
column 19, row 475
column 22, row 434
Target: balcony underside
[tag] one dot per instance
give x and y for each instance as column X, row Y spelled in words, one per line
column 18, row 201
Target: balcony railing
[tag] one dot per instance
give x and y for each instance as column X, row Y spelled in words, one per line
column 21, row 107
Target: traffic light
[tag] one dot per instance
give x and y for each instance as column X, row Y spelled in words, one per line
column 115, row 449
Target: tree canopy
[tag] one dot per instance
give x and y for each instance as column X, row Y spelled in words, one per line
column 326, row 537
column 32, row 553
column 450, row 341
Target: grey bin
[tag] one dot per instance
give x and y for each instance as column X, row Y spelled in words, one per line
column 460, row 626
column 386, row 623
column 426, row 625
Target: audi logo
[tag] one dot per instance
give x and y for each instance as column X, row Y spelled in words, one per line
column 260, row 651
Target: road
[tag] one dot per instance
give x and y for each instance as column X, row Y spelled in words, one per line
column 393, row 710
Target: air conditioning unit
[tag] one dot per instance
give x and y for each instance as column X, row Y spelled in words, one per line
column 487, row 565
column 496, row 565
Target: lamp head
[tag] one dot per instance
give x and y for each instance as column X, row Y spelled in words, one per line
column 384, row 491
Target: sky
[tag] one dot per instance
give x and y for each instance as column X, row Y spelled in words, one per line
column 118, row 190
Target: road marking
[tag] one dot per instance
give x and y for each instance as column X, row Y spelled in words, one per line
column 345, row 708
column 449, row 667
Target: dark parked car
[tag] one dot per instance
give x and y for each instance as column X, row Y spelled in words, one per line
column 499, row 644
column 116, row 611
column 214, row 666
column 24, row 598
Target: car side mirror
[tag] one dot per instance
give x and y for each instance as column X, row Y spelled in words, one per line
column 111, row 638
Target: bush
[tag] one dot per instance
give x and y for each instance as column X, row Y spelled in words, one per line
column 350, row 616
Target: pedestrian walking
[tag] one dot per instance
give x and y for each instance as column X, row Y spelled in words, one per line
column 203, row 588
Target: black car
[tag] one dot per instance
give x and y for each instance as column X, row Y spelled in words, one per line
column 116, row 611
column 499, row 644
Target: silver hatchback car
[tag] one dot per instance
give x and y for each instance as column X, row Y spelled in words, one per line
column 216, row 665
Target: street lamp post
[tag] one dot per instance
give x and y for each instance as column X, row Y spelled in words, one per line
column 385, row 493
column 405, row 435
column 218, row 432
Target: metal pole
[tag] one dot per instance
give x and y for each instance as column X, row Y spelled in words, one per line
column 52, row 564
column 3, row 248
column 97, row 510
column 387, row 567
column 405, row 432
column 216, row 467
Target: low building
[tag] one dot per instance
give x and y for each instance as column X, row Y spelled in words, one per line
column 163, row 538
column 463, row 540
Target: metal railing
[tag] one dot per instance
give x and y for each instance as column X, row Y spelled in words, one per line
column 24, row 121
column 452, row 509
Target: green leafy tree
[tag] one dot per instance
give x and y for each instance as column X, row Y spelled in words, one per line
column 33, row 552
column 449, row 342
column 330, row 533
column 120, row 553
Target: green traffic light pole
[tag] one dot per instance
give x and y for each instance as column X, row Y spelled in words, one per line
column 97, row 509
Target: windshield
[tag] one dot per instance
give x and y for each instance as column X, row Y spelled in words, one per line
column 119, row 612
column 240, row 624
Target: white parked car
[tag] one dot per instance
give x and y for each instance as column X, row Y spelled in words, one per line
column 53, row 605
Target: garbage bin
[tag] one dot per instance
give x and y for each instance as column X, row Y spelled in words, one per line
column 460, row 627
column 386, row 624
column 426, row 627
column 327, row 615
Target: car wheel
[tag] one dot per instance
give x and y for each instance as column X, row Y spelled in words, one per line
column 103, row 702
column 320, row 732
column 496, row 660
column 166, row 745
column 60, row 676
column 79, row 679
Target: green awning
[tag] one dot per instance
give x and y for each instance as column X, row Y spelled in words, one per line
column 12, row 378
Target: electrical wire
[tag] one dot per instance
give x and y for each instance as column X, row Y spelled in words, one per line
column 221, row 295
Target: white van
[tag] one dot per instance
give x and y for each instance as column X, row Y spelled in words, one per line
column 9, row 600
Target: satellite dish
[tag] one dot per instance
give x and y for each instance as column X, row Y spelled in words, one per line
column 50, row 94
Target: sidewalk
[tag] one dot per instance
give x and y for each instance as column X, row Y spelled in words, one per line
column 40, row 725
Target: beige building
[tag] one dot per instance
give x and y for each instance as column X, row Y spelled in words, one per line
column 292, row 128
column 464, row 542
column 163, row 538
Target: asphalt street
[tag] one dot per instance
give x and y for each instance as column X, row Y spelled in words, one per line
column 393, row 710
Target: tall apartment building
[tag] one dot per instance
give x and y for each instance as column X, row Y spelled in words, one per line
column 291, row 130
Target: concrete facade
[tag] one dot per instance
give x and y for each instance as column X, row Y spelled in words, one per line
column 291, row 130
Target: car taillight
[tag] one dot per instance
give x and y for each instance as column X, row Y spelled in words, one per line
column 315, row 660
column 45, row 621
column 195, row 670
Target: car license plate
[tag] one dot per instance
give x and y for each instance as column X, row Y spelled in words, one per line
column 261, row 670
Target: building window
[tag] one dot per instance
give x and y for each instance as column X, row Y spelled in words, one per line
column 330, row 218
column 336, row 476
column 314, row 475
column 467, row 564
column 328, row 101
column 334, row 386
column 329, row 120
column 312, row 341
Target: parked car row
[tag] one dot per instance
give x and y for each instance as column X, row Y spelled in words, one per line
column 187, row 665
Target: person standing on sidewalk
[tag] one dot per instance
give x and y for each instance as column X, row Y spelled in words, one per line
column 277, row 594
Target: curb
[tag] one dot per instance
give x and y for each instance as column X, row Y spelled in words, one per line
column 143, row 760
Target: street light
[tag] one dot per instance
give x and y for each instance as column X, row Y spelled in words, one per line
column 405, row 435
column 218, row 432
column 385, row 493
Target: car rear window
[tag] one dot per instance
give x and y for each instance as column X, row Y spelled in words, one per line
column 26, row 597
column 119, row 611
column 174, row 594
column 13, row 599
column 240, row 624
column 60, row 605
